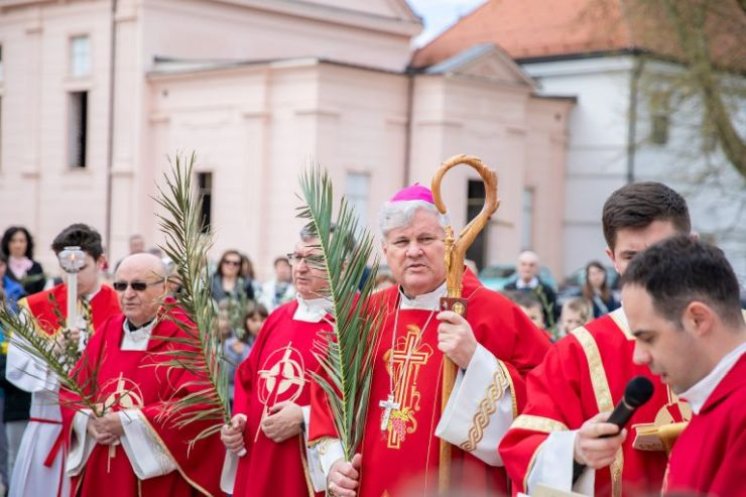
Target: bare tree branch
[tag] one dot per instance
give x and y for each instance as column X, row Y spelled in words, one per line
column 688, row 20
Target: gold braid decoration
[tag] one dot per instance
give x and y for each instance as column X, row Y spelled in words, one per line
column 487, row 408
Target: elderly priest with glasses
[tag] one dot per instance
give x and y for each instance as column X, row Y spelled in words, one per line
column 127, row 447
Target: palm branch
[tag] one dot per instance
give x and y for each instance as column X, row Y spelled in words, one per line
column 61, row 361
column 186, row 244
column 346, row 354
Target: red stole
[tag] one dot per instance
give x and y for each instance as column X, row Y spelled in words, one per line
column 585, row 370
column 709, row 457
column 49, row 308
column 130, row 379
column 276, row 370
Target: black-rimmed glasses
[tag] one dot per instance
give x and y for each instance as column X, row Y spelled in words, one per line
column 138, row 286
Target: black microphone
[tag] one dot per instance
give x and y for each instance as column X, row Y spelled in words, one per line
column 636, row 393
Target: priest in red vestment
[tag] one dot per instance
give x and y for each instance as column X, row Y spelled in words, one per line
column 494, row 347
column 266, row 440
column 39, row 466
column 583, row 377
column 132, row 450
column 682, row 300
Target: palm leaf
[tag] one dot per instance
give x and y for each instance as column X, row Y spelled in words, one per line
column 346, row 353
column 62, row 362
column 187, row 244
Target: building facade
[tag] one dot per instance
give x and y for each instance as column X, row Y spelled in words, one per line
column 98, row 95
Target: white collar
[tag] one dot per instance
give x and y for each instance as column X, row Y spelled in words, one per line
column 312, row 310
column 531, row 284
column 427, row 301
column 701, row 391
column 139, row 334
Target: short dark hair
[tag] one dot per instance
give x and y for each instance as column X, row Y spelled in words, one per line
column 9, row 234
column 637, row 205
column 79, row 235
column 529, row 300
column 679, row 270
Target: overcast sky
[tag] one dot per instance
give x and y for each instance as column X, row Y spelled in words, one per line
column 439, row 14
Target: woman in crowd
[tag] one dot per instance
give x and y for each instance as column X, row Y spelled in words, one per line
column 596, row 289
column 18, row 246
column 227, row 282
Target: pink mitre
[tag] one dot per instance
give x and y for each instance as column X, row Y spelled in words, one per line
column 414, row 192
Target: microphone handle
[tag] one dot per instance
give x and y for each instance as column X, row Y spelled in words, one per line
column 620, row 417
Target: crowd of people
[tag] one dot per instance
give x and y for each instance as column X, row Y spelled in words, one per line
column 529, row 411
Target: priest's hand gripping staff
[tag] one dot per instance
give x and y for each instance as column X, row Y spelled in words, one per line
column 454, row 259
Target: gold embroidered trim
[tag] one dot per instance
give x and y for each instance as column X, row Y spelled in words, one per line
column 602, row 393
column 157, row 438
column 538, row 423
column 510, row 385
column 620, row 319
column 306, row 471
column 487, row 408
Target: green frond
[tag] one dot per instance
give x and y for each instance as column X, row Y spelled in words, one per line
column 22, row 332
column 200, row 353
column 345, row 355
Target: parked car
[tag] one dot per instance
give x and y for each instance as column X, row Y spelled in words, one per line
column 497, row 276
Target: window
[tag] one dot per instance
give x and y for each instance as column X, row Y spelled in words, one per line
column 475, row 201
column 527, row 221
column 77, row 129
column 357, row 190
column 204, row 185
column 659, row 118
column 80, row 56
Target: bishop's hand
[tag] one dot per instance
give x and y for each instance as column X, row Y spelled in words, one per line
column 285, row 420
column 343, row 477
column 456, row 338
column 593, row 451
column 232, row 435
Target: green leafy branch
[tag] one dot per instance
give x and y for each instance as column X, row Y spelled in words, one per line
column 346, row 353
column 187, row 244
column 58, row 358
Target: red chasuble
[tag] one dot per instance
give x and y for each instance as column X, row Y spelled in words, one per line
column 709, row 457
column 129, row 379
column 275, row 371
column 586, row 373
column 49, row 308
column 403, row 459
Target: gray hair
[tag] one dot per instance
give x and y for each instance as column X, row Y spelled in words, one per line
column 399, row 214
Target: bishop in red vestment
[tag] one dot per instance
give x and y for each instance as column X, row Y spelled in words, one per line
column 272, row 400
column 495, row 346
column 133, row 450
column 584, row 375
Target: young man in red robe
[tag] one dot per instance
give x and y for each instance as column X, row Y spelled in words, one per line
column 266, row 440
column 39, row 467
column 493, row 347
column 683, row 308
column 583, row 377
column 132, row 449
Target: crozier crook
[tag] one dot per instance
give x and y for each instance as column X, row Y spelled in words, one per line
column 455, row 251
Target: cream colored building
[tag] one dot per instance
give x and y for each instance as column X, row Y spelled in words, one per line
column 259, row 89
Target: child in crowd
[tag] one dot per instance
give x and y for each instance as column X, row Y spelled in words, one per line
column 530, row 305
column 236, row 348
column 575, row 313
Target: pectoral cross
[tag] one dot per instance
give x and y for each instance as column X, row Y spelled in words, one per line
column 387, row 405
